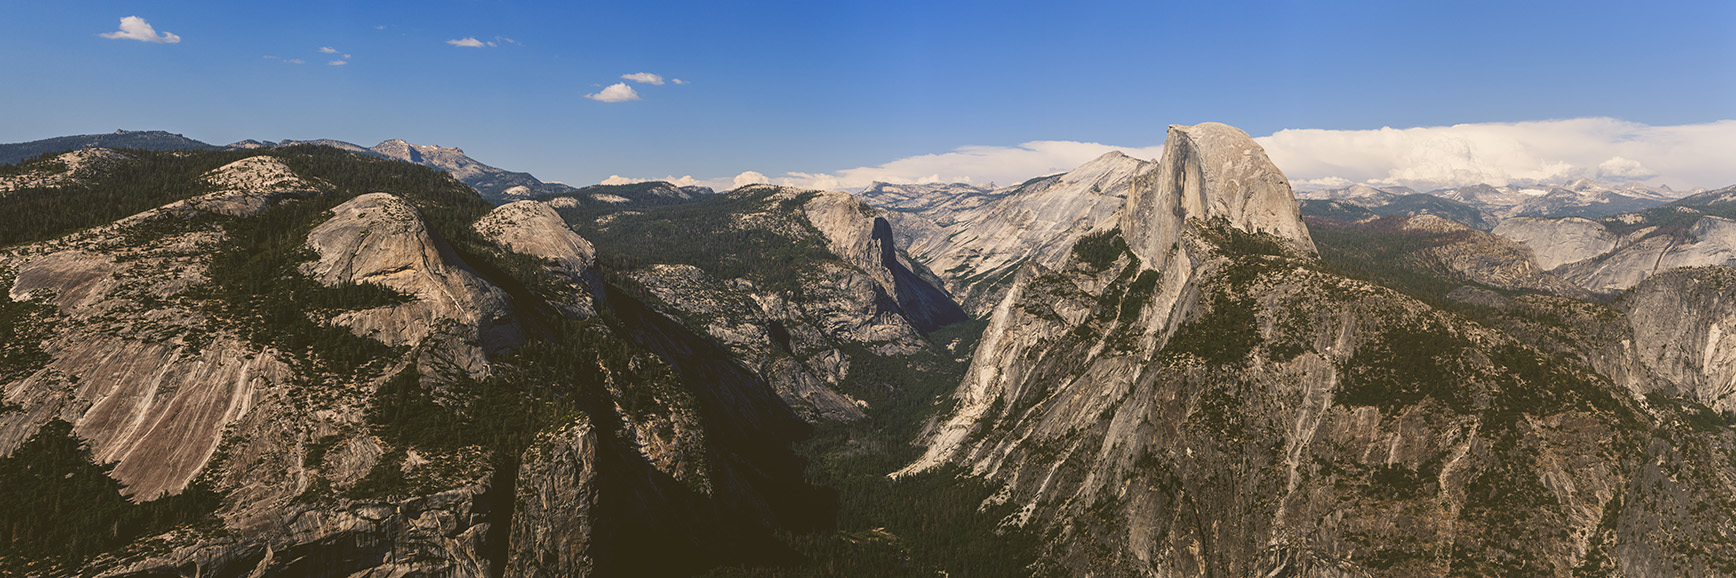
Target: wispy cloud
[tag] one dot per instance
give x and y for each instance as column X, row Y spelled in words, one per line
column 677, row 81
column 285, row 60
column 336, row 63
column 1551, row 151
column 471, row 42
column 328, row 50
column 618, row 92
column 644, row 78
column 135, row 28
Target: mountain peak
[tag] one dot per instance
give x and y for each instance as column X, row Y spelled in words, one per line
column 1209, row 170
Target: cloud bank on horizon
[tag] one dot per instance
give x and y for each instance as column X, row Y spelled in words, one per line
column 1423, row 158
column 1521, row 153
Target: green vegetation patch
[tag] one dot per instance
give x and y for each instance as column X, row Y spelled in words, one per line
column 1238, row 242
column 257, row 286
column 1383, row 253
column 145, row 180
column 709, row 234
column 1404, row 365
column 915, row 526
column 23, row 327
column 1224, row 335
column 61, row 508
column 1100, row 250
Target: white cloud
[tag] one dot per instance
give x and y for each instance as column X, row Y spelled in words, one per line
column 1426, row 158
column 971, row 164
column 135, row 28
column 644, row 78
column 677, row 81
column 1551, row 151
column 469, row 42
column 718, row 184
column 336, row 63
column 328, row 50
column 749, row 178
column 617, row 92
column 1622, row 169
column 681, row 181
column 380, row 27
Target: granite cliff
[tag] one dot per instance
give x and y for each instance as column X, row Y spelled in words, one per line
column 1196, row 393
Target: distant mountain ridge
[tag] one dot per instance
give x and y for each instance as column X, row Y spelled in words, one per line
column 1582, row 198
column 1614, row 253
column 498, row 186
column 131, row 139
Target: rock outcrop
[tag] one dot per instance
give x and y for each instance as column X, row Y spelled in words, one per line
column 1593, row 256
column 1209, row 171
column 556, row 496
column 775, row 338
column 534, row 229
column 1557, row 242
column 494, row 184
column 1682, row 323
column 381, row 240
column 67, row 168
column 1487, row 258
column 863, row 238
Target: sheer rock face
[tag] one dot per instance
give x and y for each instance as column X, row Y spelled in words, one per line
column 1209, row 171
column 1195, row 408
column 1557, row 242
column 156, row 386
column 1683, row 322
column 378, row 238
column 535, row 229
column 862, row 238
column 551, row 524
column 1591, row 256
column 135, row 363
column 979, row 240
column 1709, row 241
column 779, row 340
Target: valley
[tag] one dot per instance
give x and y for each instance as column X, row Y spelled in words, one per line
column 315, row 358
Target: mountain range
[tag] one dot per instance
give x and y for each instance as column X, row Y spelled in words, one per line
column 498, row 186
column 1482, row 206
column 314, row 358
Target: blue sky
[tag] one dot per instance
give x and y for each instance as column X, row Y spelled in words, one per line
column 822, row 88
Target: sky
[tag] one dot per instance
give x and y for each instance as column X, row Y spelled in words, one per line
column 838, row 94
